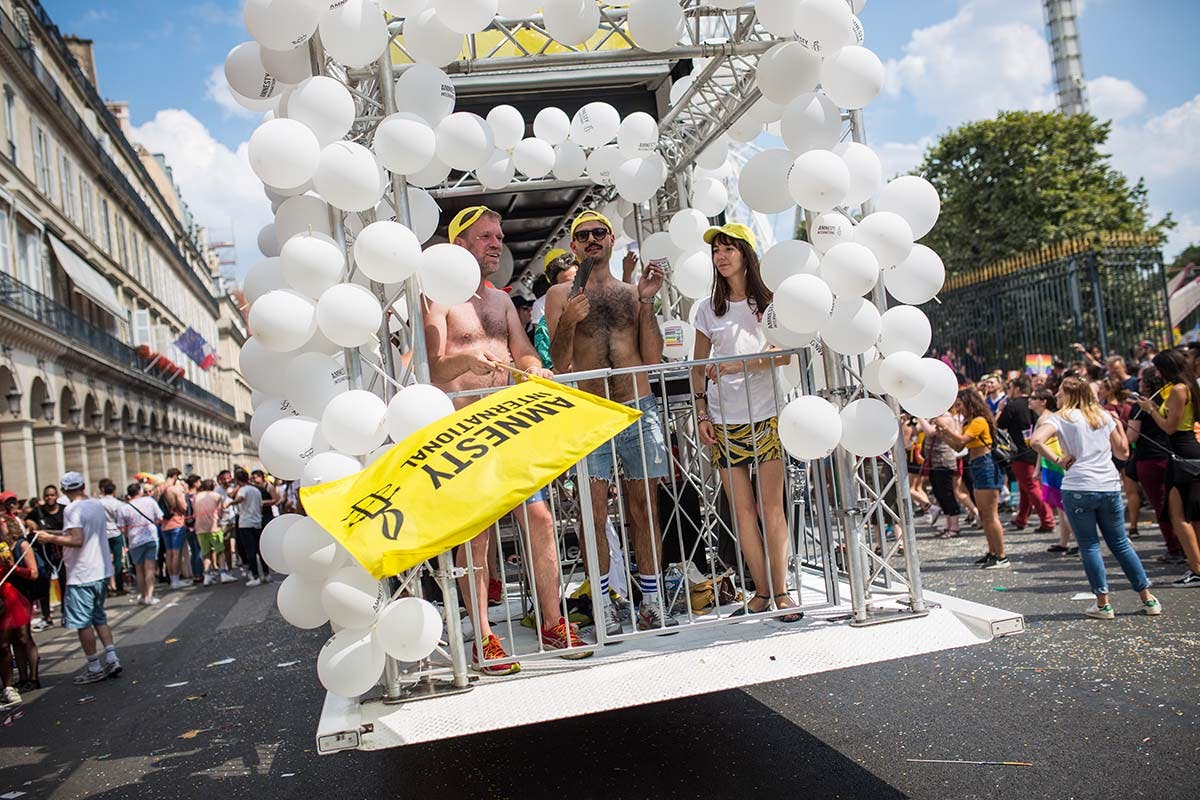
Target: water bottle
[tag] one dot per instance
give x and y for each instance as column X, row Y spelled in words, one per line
column 672, row 581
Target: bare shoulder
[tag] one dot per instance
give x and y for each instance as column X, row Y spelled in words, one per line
column 558, row 291
column 498, row 299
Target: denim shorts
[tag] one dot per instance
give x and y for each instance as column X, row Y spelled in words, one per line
column 628, row 446
column 173, row 538
column 143, row 553
column 83, row 605
column 540, row 496
column 986, row 473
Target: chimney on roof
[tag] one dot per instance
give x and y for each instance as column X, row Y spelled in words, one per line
column 120, row 110
column 84, row 53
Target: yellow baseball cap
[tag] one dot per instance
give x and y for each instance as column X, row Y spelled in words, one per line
column 553, row 254
column 734, row 230
column 465, row 219
column 591, row 216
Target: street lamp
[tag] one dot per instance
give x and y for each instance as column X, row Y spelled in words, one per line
column 48, row 410
column 14, row 401
column 97, row 419
column 75, row 414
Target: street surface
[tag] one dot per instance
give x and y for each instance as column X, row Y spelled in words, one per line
column 1100, row 710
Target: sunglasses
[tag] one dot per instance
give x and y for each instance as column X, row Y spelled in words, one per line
column 599, row 234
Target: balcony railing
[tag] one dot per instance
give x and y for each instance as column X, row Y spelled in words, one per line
column 40, row 308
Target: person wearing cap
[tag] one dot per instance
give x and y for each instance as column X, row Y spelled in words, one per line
column 89, row 566
column 470, row 347
column 611, row 324
column 559, row 266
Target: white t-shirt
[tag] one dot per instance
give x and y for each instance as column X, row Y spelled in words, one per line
column 537, row 310
column 111, row 506
column 1093, row 470
column 140, row 528
column 92, row 561
column 737, row 334
column 250, row 509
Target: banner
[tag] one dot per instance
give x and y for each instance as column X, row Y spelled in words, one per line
column 195, row 347
column 449, row 481
column 1039, row 363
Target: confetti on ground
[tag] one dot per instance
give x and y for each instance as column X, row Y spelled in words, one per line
column 190, row 698
column 222, row 662
column 192, row 734
column 171, row 604
column 177, row 685
column 977, row 763
column 286, row 664
column 999, row 588
column 1083, row 596
column 104, row 757
column 11, row 795
column 87, row 699
column 170, row 641
column 288, row 775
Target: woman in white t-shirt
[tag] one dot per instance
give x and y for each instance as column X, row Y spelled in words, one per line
column 738, row 414
column 1091, row 489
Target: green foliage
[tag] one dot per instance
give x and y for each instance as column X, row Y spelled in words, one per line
column 1024, row 180
column 1190, row 255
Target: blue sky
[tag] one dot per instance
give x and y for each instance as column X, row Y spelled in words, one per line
column 949, row 61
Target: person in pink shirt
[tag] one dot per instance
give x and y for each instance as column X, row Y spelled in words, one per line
column 207, row 506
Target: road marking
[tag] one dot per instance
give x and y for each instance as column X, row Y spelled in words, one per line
column 252, row 608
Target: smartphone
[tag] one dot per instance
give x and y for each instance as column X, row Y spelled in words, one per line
column 1134, row 396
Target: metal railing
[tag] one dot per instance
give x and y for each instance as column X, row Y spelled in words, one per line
column 27, row 301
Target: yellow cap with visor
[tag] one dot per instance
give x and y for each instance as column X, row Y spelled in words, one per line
column 590, row 216
column 734, row 230
column 465, row 219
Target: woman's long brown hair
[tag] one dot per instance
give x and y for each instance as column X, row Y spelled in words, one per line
column 1078, row 396
column 756, row 291
column 973, row 406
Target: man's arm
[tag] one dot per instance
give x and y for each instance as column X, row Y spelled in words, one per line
column 562, row 326
column 71, row 537
column 650, row 341
column 525, row 356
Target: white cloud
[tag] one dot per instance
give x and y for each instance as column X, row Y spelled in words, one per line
column 217, row 89
column 216, row 182
column 1114, row 98
column 901, row 158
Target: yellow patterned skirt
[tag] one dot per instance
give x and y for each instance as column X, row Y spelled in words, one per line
column 747, row 443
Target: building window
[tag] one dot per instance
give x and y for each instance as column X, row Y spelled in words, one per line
column 10, row 121
column 143, row 332
column 105, row 226
column 88, row 207
column 41, row 160
column 5, row 249
column 66, row 182
column 122, row 249
column 29, row 258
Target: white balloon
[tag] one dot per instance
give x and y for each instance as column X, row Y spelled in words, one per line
column 270, row 543
column 349, row 315
column 449, row 274
column 498, row 171
column 465, row 16
column 656, row 25
column 715, row 155
column 429, row 41
column 246, row 74
column 325, row 106
column 328, row 466
column 280, row 24
column 349, row 177
column 818, row 180
column 854, row 326
column 786, row 71
column 464, row 141
column 596, row 124
column 709, row 197
column 288, row 66
column 824, row 21
column 286, row 446
column 887, row 235
column 425, row 214
column 350, row 662
column 312, row 263
column 414, row 407
column 902, row 375
column 313, row 379
column 869, row 428
column 354, row 32
column 829, row 229
column 913, row 198
column 503, row 274
column 305, row 213
column 569, row 161
column 409, row 628
column 299, row 602
column 939, row 393
column 693, row 274
column 533, row 158
column 268, row 244
column 404, row 143
column 763, row 183
column 508, row 126
column 637, row 135
column 602, row 163
column 268, row 414
column 426, row 91
column 352, row 598
column 786, row 258
column 387, row 252
column 262, row 368
column 679, row 339
column 353, row 422
column 659, row 249
column 781, row 336
column 918, row 278
column 866, row 171
column 809, row 427
column 318, row 343
column 852, row 77
column 811, row 122
column 803, row 302
column 870, row 374
column 282, row 320
column 745, row 129
column 283, row 152
column 850, row 269
column 858, row 32
column 764, row 111
column 432, row 175
column 639, row 179
column 905, row 328
column 679, row 88
column 265, row 276
column 552, row 125
column 403, row 8
column 571, row 22
column 687, row 229
column 777, row 16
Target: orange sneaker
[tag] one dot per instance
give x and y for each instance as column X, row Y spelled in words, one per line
column 495, row 592
column 565, row 636
column 493, row 651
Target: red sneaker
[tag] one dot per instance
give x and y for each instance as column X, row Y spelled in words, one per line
column 565, row 636
column 493, row 651
column 495, row 592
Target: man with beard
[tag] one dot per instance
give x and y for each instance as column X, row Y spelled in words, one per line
column 611, row 324
column 468, row 346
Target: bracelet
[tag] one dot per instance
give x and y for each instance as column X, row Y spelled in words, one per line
column 647, row 300
column 702, row 417
column 700, row 395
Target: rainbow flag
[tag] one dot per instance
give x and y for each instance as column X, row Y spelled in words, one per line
column 1039, row 363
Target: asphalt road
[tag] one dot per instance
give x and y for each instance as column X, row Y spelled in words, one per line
column 1100, row 710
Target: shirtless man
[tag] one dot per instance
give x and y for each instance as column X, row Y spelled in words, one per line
column 467, row 344
column 612, row 324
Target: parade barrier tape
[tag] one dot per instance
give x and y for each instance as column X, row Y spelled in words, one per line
column 448, row 481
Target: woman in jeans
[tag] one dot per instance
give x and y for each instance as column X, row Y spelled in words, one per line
column 942, row 461
column 1043, row 404
column 1173, row 409
column 986, row 475
column 1150, row 458
column 1092, row 492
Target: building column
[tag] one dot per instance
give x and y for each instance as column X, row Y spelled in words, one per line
column 48, row 454
column 75, row 454
column 118, row 468
column 16, row 457
column 97, row 456
column 133, row 457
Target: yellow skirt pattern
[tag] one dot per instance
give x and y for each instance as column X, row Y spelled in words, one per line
column 747, row 443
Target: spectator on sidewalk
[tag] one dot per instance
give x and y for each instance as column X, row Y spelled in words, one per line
column 209, row 506
column 16, row 612
column 1043, row 404
column 227, row 489
column 1150, row 459
column 195, row 557
column 138, row 519
column 249, row 526
column 116, row 542
column 89, row 566
column 1018, row 420
column 47, row 515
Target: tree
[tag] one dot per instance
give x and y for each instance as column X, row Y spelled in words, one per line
column 1190, row 255
column 1024, row 180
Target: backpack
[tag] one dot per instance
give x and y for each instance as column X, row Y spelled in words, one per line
column 1004, row 449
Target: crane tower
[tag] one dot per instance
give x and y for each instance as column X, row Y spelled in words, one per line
column 1063, row 30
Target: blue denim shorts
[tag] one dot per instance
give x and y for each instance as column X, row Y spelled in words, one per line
column 986, row 473
column 83, row 605
column 628, row 445
column 173, row 538
column 540, row 496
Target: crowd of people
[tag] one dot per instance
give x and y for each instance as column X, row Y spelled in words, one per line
column 86, row 546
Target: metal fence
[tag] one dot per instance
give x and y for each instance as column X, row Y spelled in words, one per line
column 1108, row 290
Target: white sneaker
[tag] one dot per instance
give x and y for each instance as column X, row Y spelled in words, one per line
column 11, row 695
column 227, row 578
column 254, row 582
column 210, row 579
column 1101, row 612
column 38, row 624
column 266, row 578
column 177, row 583
column 152, row 601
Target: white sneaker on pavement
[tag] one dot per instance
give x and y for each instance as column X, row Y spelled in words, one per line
column 266, row 578
column 11, row 695
column 210, row 579
column 254, row 582
column 227, row 578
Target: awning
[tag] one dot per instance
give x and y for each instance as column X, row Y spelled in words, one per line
column 87, row 280
column 1184, row 301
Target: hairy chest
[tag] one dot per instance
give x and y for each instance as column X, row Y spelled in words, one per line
column 611, row 311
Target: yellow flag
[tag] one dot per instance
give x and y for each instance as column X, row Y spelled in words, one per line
column 450, row 480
